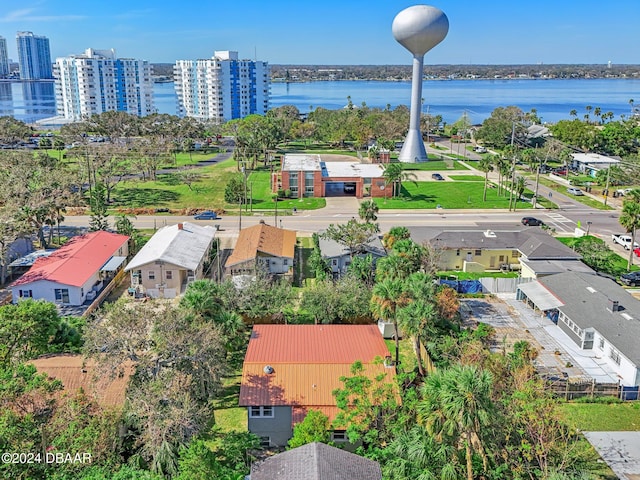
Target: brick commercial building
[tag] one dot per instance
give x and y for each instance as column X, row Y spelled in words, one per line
column 307, row 175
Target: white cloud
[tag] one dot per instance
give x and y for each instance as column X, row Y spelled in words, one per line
column 30, row 15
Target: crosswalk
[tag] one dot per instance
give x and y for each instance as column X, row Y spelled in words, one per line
column 558, row 218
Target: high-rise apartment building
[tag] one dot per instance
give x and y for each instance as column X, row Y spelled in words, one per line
column 34, row 56
column 97, row 82
column 221, row 88
column 4, row 58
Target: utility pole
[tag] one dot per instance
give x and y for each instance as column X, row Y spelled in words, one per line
column 606, row 188
column 513, row 164
column 276, row 222
column 240, row 217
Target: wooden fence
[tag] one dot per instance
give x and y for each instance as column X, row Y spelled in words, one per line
column 103, row 294
column 572, row 390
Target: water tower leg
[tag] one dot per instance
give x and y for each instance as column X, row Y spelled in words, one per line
column 413, row 150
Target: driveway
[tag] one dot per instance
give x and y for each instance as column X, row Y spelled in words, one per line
column 621, row 451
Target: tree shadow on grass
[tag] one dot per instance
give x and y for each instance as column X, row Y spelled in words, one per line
column 144, row 197
column 172, row 179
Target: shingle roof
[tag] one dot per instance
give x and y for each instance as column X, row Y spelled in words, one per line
column 74, row 263
column 330, row 248
column 306, row 363
column 316, row 461
column 76, row 372
column 182, row 245
column 262, row 238
column 586, row 298
column 534, row 244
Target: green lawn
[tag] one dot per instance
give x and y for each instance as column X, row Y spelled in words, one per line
column 598, row 417
column 467, row 178
column 450, row 195
column 228, row 415
column 305, row 247
column 435, row 165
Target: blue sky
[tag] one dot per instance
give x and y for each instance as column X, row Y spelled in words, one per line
column 331, row 31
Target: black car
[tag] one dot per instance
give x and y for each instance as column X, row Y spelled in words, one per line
column 630, row 279
column 437, row 176
column 531, row 221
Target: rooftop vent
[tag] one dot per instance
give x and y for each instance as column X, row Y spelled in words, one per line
column 613, row 305
column 268, row 369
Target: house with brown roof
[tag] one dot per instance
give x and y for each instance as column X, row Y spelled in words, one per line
column 291, row 369
column 316, row 461
column 263, row 246
column 76, row 372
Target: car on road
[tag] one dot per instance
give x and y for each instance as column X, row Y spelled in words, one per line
column 437, row 176
column 630, row 279
column 531, row 221
column 480, row 149
column 575, row 191
column 624, row 240
column 206, row 215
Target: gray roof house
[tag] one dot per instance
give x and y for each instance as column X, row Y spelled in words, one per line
column 316, row 461
column 531, row 250
column 172, row 258
column 339, row 256
column 596, row 313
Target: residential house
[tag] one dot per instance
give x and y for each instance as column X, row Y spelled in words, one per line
column 291, row 369
column 596, row 313
column 532, row 251
column 591, row 163
column 76, row 272
column 78, row 373
column 316, row 461
column 171, row 259
column 339, row 256
column 262, row 245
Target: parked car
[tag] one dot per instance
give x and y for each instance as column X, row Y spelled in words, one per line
column 480, row 149
column 206, row 215
column 575, row 191
column 437, row 176
column 630, row 279
column 623, row 191
column 637, row 251
column 531, row 221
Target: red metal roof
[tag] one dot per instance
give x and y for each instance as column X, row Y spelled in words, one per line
column 306, row 363
column 74, row 263
column 315, row 344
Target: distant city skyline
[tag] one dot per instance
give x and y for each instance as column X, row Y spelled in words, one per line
column 354, row 32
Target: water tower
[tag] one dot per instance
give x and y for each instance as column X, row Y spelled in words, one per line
column 418, row 29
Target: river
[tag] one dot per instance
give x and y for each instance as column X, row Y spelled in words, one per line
column 553, row 99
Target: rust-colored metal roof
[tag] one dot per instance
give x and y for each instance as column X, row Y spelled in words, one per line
column 315, row 344
column 262, row 238
column 306, row 363
column 76, row 372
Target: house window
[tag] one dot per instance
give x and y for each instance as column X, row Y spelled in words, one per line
column 478, row 253
column 339, row 436
column 334, row 262
column 515, row 253
column 615, row 356
column 62, row 295
column 152, row 275
column 261, row 412
column 169, row 274
column 602, row 344
column 458, row 253
column 26, row 294
column 265, row 442
column 285, row 261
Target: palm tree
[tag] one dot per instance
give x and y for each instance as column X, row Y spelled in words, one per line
column 394, row 174
column 368, row 211
column 573, row 113
column 457, row 407
column 387, row 296
column 485, row 165
column 520, row 186
column 418, row 317
column 630, row 219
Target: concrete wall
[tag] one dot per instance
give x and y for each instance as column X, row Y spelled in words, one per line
column 277, row 428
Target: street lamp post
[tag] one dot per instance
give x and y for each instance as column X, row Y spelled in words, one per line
column 588, row 228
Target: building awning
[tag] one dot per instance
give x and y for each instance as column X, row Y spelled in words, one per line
column 113, row 264
column 540, row 296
